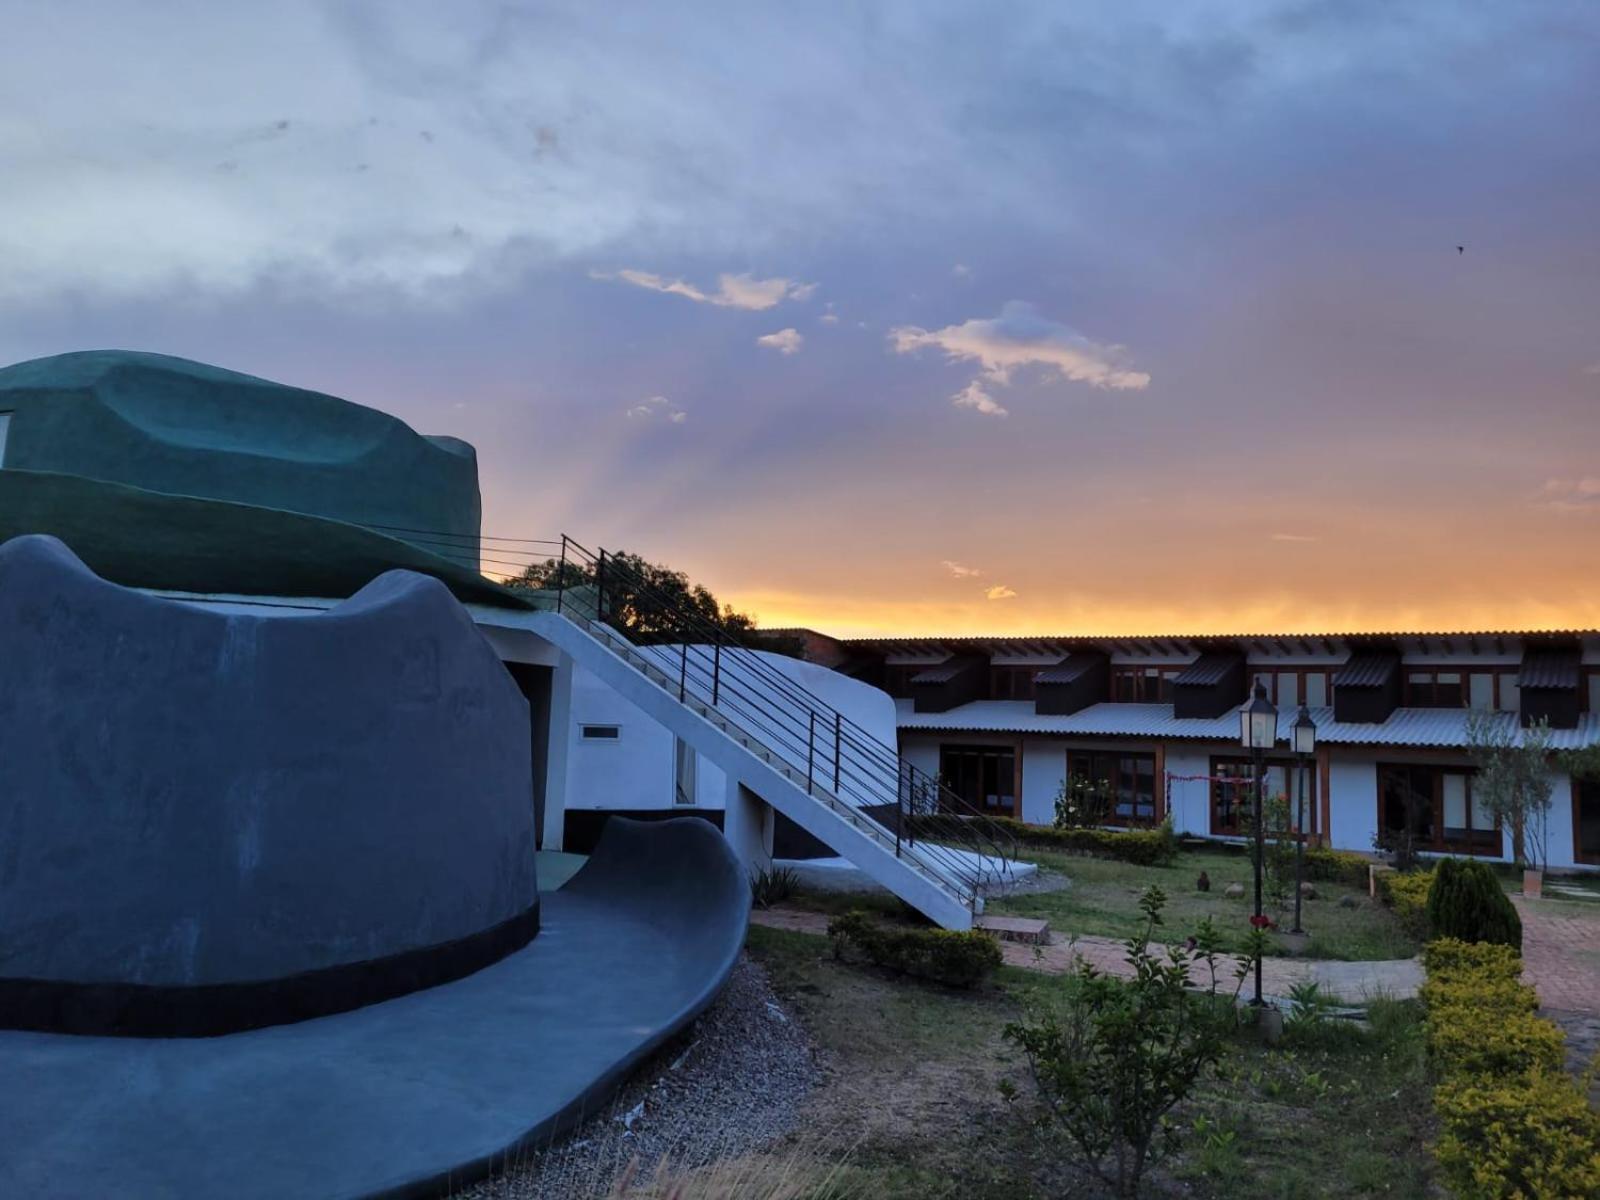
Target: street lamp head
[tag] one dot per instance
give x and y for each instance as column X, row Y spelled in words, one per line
column 1258, row 721
column 1305, row 732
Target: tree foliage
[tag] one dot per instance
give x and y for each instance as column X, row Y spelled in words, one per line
column 650, row 603
column 1514, row 780
column 1112, row 1058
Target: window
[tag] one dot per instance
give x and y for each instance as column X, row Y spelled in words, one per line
column 1586, row 820
column 5, row 428
column 684, row 761
column 1233, row 792
column 1435, row 689
column 601, row 733
column 1289, row 687
column 1011, row 683
column 984, row 776
column 1593, row 695
column 1131, row 778
column 1439, row 806
column 1143, row 685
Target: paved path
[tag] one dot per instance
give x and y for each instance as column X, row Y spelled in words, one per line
column 1354, row 981
column 1561, row 959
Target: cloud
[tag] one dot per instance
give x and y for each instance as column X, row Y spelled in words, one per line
column 974, row 396
column 785, row 341
column 1293, row 537
column 829, row 318
column 1020, row 337
column 1571, row 495
column 999, row 592
column 960, row 570
column 658, row 408
column 733, row 291
column 961, row 270
column 1592, row 369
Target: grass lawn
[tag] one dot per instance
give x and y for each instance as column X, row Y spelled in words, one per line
column 1103, row 896
column 912, row 1102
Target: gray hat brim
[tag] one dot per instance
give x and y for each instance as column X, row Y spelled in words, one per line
column 407, row 1097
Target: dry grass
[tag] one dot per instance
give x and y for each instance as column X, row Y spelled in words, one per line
column 796, row 1175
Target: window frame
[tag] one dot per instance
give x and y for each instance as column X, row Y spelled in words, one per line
column 1440, row 844
column 1013, row 749
column 1157, row 799
column 1290, row 766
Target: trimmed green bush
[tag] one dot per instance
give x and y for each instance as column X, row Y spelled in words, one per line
column 1467, row 902
column 1336, row 866
column 1156, row 847
column 1515, row 1127
column 950, row 957
column 1407, row 893
column 1532, row 1137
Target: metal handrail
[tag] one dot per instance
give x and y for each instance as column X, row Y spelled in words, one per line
column 727, row 690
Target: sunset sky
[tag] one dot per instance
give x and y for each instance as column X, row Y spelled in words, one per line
column 915, row 317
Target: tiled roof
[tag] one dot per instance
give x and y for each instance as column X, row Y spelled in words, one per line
column 1367, row 668
column 1209, row 668
column 1440, row 727
column 1555, row 667
column 1070, row 669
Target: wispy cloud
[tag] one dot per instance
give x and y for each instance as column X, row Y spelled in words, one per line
column 1592, row 369
column 658, row 408
column 1020, row 337
column 961, row 270
column 733, row 291
column 1571, row 495
column 1293, row 537
column 999, row 592
column 785, row 341
column 975, row 397
column 960, row 570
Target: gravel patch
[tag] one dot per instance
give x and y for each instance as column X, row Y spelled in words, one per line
column 732, row 1082
column 1031, row 885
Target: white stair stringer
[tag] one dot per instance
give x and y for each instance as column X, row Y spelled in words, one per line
column 910, row 875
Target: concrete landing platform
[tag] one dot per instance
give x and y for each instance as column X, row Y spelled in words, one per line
column 1033, row 931
column 403, row 1097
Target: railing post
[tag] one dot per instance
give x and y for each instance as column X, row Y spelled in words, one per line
column 683, row 674
column 561, row 574
column 811, row 747
column 600, row 589
column 716, row 668
column 838, row 732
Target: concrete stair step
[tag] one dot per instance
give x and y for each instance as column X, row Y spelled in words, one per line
column 1034, row 931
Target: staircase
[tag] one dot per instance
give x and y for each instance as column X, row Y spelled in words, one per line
column 764, row 729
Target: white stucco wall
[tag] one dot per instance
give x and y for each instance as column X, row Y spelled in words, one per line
column 1044, row 769
column 636, row 770
column 1191, row 798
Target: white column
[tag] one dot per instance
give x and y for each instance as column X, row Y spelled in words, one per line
column 747, row 823
column 558, row 753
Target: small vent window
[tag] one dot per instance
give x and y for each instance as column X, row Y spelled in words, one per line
column 5, row 426
column 601, row 733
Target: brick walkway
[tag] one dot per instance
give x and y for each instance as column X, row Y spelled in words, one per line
column 1396, row 978
column 1561, row 959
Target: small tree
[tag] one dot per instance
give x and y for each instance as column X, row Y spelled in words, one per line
column 1467, row 902
column 1514, row 780
column 1113, row 1058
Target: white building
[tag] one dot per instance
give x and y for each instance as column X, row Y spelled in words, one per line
column 1005, row 721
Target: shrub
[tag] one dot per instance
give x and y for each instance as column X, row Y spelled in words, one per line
column 773, row 885
column 1337, row 866
column 950, row 957
column 1513, row 1124
column 1467, row 902
column 1156, row 847
column 1407, row 893
column 1472, row 1038
column 1111, row 1059
column 1531, row 1137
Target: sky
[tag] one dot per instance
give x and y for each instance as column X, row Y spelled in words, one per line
column 917, row 318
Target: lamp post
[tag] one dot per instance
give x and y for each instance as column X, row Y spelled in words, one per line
column 1258, row 733
column 1305, row 745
